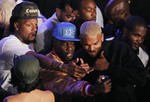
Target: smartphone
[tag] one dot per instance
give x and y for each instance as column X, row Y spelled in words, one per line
column 105, row 78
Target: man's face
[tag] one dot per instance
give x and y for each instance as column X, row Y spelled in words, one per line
column 26, row 30
column 92, row 44
column 64, row 49
column 136, row 37
column 67, row 15
column 88, row 10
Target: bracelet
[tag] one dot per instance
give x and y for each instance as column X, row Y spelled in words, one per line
column 87, row 90
column 83, row 89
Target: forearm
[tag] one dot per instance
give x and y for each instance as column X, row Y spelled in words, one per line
column 62, row 84
column 46, row 62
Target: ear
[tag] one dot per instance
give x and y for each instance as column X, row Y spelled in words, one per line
column 125, row 32
column 56, row 42
column 16, row 26
column 102, row 37
column 58, row 12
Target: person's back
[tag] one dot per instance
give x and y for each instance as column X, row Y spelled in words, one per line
column 25, row 77
column 33, row 96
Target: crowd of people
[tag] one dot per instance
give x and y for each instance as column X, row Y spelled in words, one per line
column 82, row 53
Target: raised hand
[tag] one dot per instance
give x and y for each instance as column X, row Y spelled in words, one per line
column 102, row 86
column 101, row 63
column 77, row 71
column 85, row 66
column 106, row 82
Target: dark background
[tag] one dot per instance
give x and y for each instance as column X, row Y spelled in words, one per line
column 137, row 7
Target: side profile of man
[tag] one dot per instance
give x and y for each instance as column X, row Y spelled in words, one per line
column 115, row 59
column 65, row 86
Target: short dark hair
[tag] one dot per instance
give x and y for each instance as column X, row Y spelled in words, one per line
column 134, row 21
column 77, row 4
column 61, row 4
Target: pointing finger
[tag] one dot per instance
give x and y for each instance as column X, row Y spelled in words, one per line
column 81, row 60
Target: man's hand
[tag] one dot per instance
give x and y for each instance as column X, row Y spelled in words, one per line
column 77, row 71
column 102, row 86
column 85, row 66
column 101, row 63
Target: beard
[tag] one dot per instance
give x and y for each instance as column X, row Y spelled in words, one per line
column 92, row 53
column 29, row 41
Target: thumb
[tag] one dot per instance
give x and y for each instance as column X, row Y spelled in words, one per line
column 81, row 60
column 102, row 55
column 76, row 60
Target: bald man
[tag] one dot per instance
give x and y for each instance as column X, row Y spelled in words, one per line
column 117, row 12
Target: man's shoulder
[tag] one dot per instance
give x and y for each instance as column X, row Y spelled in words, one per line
column 115, row 43
column 10, row 37
column 47, row 92
column 13, row 98
column 9, row 40
column 46, row 95
column 116, row 47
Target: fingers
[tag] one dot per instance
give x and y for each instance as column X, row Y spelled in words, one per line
column 80, row 69
column 90, row 70
column 79, row 76
column 99, row 79
column 105, row 82
column 76, row 60
column 85, row 65
column 81, row 60
column 107, row 86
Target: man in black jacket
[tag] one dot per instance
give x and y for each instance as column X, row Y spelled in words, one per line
column 115, row 59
